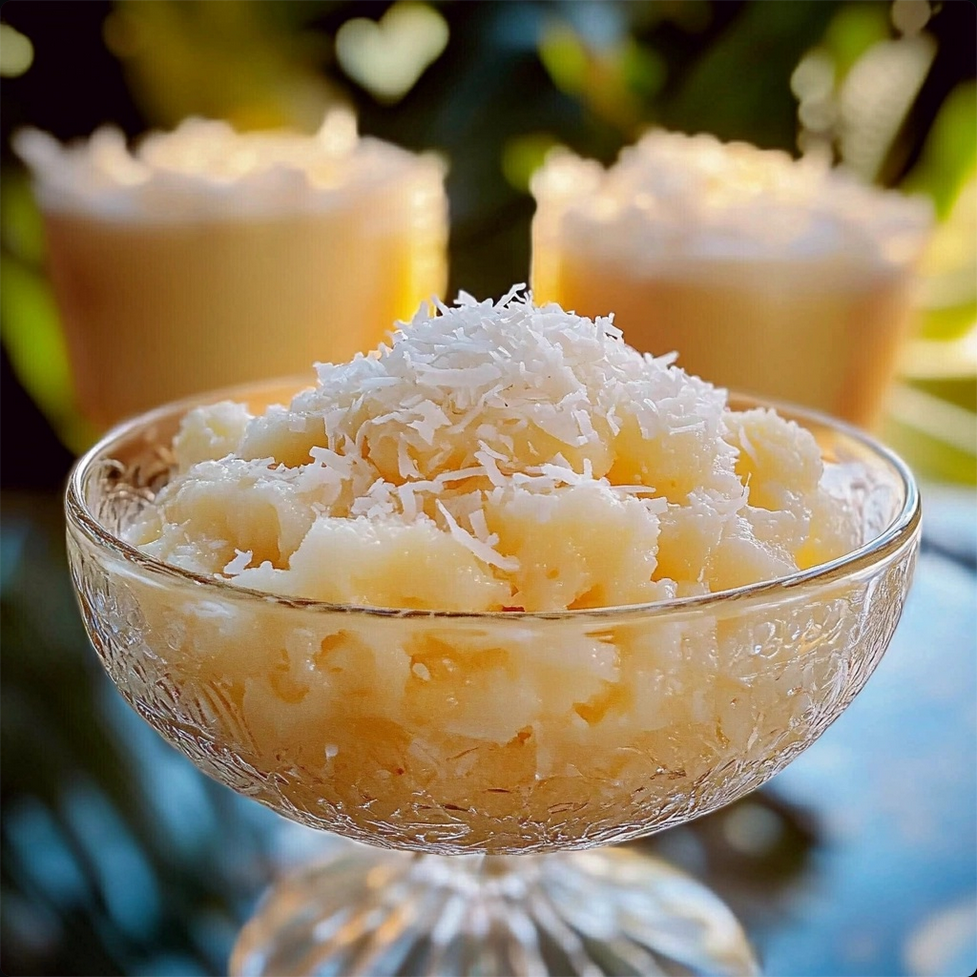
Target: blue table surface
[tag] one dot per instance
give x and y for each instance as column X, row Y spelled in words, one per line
column 859, row 859
column 893, row 885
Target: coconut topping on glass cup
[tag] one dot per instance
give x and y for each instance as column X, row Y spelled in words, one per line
column 204, row 168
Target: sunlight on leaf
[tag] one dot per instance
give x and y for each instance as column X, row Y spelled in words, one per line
column 643, row 69
column 523, row 155
column 31, row 332
column 21, row 227
column 938, row 418
column 875, row 98
column 16, row 52
column 949, row 155
column 615, row 81
column 564, row 57
column 910, row 16
column 387, row 57
column 949, row 272
column 934, row 435
column 220, row 59
column 853, row 30
column 740, row 86
column 30, row 325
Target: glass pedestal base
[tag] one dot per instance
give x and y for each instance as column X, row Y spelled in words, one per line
column 364, row 910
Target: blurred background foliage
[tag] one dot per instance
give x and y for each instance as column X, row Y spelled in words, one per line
column 886, row 87
column 90, row 797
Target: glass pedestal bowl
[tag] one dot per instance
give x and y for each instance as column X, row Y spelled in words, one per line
column 516, row 743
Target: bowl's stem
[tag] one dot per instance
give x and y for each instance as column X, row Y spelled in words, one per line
column 366, row 911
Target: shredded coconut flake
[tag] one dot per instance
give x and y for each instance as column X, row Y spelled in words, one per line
column 481, row 549
column 241, row 561
column 538, row 429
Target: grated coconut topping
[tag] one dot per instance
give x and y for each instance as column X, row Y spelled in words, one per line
column 496, row 455
column 672, row 196
column 205, row 169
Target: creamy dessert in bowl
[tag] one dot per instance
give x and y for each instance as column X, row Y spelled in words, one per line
column 207, row 257
column 502, row 585
column 772, row 276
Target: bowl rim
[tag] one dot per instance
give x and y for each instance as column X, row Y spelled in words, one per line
column 899, row 533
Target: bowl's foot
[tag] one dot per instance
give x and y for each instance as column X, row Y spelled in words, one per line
column 365, row 911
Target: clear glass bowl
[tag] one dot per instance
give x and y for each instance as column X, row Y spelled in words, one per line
column 489, row 734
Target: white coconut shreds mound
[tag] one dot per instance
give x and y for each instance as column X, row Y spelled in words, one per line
column 497, row 456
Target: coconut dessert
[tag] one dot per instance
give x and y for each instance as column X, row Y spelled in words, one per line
column 497, row 585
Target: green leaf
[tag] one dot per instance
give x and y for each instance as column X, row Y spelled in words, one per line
column 564, row 57
column 643, row 69
column 21, row 226
column 30, row 328
column 853, row 30
column 523, row 155
column 949, row 155
column 740, row 86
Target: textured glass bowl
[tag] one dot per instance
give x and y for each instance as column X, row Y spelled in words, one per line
column 490, row 733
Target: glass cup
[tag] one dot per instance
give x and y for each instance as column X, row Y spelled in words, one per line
column 517, row 743
column 770, row 276
column 211, row 258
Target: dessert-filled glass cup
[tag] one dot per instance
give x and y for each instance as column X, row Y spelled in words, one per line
column 209, row 258
column 494, row 738
column 778, row 277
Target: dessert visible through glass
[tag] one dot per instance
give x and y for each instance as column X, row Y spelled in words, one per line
column 209, row 257
column 776, row 277
column 504, row 586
